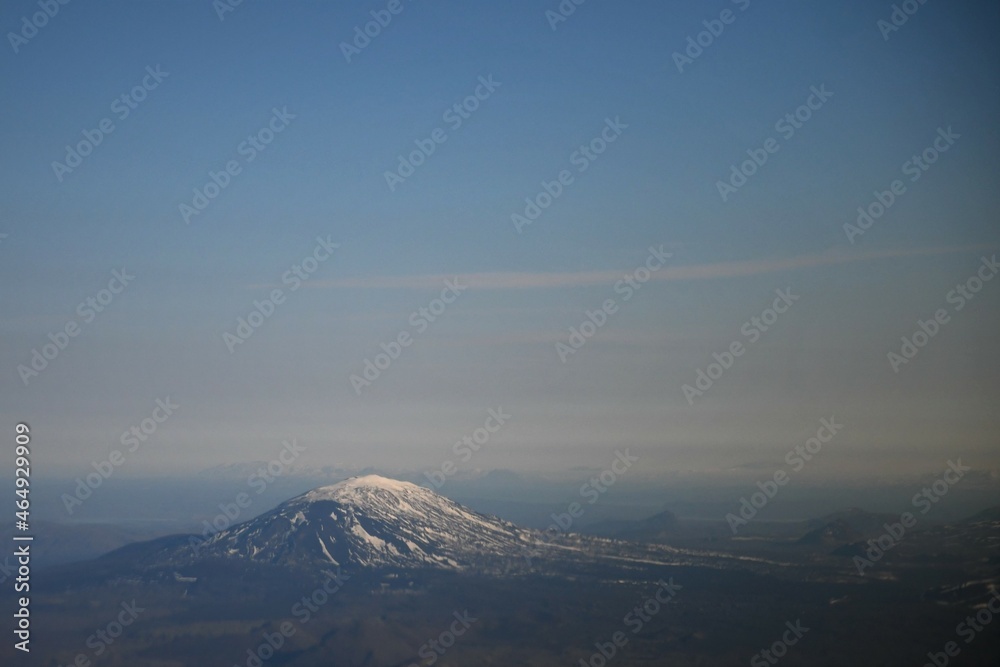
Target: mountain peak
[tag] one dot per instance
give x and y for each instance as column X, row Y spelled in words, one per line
column 362, row 483
column 372, row 521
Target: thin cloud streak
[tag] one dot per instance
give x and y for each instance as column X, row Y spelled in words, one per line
column 516, row 280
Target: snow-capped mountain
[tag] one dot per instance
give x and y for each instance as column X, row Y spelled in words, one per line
column 371, row 521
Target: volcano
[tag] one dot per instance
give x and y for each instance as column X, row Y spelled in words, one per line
column 371, row 522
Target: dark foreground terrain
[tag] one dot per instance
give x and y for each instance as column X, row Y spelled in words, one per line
column 375, row 572
column 211, row 613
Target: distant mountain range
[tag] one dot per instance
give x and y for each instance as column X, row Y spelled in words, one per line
column 851, row 525
column 376, row 524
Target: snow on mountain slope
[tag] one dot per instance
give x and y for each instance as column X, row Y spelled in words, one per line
column 372, row 521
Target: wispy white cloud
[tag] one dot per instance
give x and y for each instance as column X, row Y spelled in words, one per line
column 517, row 280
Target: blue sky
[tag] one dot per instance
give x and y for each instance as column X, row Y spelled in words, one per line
column 323, row 175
